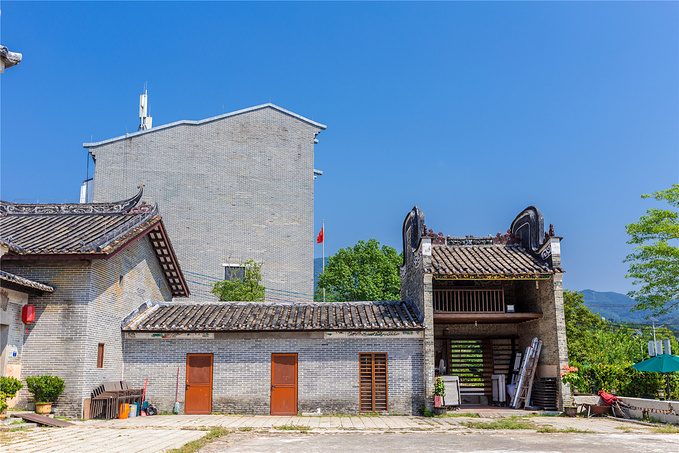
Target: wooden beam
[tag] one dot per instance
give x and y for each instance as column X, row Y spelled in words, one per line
column 484, row 318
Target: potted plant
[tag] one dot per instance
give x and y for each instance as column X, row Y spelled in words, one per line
column 570, row 375
column 9, row 386
column 439, row 393
column 45, row 389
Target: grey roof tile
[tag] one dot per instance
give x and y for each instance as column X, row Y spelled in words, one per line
column 22, row 282
column 487, row 260
column 266, row 316
column 96, row 230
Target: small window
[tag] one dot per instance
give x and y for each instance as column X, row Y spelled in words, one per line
column 100, row 356
column 373, row 382
column 234, row 272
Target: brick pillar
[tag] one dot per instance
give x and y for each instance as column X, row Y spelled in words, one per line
column 428, row 314
column 564, row 390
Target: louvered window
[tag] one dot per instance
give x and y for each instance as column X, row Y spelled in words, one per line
column 476, row 361
column 373, row 382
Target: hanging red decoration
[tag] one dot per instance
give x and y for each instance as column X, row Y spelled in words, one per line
column 28, row 314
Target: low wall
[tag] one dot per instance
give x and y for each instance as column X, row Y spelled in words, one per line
column 664, row 411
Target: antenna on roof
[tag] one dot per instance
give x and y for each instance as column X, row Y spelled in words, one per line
column 145, row 121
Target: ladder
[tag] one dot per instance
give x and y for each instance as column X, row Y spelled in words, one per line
column 524, row 385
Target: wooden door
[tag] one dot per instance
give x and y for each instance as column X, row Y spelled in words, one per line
column 198, row 397
column 373, row 386
column 283, row 384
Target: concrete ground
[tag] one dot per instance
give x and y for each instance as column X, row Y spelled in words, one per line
column 334, row 433
column 507, row 441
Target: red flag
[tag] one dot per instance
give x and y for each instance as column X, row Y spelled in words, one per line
column 319, row 239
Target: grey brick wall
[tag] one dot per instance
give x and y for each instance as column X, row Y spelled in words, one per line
column 86, row 308
column 112, row 300
column 55, row 342
column 10, row 319
column 327, row 370
column 233, row 189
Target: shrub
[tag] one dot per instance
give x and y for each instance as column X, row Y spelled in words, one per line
column 247, row 289
column 10, row 386
column 45, row 389
column 439, row 387
column 626, row 380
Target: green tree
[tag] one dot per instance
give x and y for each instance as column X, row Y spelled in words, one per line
column 581, row 326
column 603, row 352
column 365, row 271
column 246, row 289
column 654, row 263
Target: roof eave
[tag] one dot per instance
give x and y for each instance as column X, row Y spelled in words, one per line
column 472, row 276
column 205, row 121
column 376, row 329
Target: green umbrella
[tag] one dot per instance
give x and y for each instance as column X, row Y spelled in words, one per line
column 662, row 363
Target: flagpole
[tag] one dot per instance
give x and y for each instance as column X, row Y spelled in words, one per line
column 323, row 244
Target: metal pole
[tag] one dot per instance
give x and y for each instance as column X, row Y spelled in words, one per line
column 654, row 337
column 323, row 246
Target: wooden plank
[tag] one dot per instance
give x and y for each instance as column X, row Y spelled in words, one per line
column 41, row 419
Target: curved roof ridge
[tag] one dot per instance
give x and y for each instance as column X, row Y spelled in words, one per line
column 107, row 208
column 204, row 121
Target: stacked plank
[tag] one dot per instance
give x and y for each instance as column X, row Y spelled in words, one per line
column 109, row 396
column 545, row 394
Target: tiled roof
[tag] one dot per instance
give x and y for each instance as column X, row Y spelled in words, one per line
column 263, row 316
column 21, row 282
column 71, row 228
column 87, row 231
column 487, row 260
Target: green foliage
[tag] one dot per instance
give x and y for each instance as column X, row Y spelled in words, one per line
column 45, row 388
column 439, row 387
column 302, row 428
column 365, row 271
column 426, row 412
column 10, row 386
column 247, row 289
column 195, row 445
column 601, row 353
column 581, row 325
column 666, row 429
column 550, row 429
column 654, row 263
column 3, row 402
column 503, row 423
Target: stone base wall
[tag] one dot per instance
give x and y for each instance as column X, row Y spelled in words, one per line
column 327, row 370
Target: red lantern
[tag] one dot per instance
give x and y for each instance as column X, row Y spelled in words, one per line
column 28, row 314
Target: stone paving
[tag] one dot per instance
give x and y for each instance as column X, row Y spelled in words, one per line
column 163, row 432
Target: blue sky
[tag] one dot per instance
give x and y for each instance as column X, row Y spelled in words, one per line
column 472, row 111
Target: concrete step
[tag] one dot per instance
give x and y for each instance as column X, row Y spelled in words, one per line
column 14, row 426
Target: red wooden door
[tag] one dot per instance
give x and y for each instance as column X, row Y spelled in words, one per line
column 198, row 397
column 283, row 384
